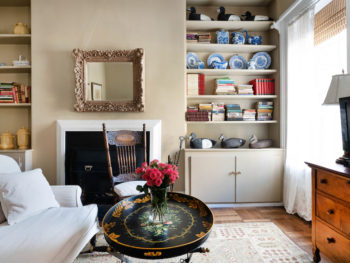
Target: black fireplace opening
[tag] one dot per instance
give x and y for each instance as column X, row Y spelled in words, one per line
column 86, row 164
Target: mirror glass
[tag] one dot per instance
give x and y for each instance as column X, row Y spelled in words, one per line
column 109, row 81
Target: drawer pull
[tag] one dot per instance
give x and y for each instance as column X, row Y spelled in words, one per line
column 330, row 212
column 323, row 181
column 330, row 240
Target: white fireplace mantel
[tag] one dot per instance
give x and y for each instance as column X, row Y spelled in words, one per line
column 63, row 126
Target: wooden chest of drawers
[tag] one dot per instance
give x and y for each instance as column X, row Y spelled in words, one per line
column 331, row 212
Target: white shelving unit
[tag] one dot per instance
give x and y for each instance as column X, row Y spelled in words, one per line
column 240, row 170
column 13, row 116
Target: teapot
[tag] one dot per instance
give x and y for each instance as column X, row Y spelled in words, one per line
column 238, row 37
column 254, row 40
column 6, row 141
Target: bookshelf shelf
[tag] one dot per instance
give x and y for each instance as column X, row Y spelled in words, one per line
column 13, row 69
column 15, row 39
column 231, row 97
column 231, row 122
column 228, row 25
column 232, row 72
column 228, row 2
column 15, row 104
column 229, row 48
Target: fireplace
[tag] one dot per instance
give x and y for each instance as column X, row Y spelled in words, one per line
column 77, row 138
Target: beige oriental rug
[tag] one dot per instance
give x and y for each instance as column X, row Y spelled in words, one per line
column 253, row 242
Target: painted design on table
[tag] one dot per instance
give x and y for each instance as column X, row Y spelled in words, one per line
column 179, row 223
column 153, row 254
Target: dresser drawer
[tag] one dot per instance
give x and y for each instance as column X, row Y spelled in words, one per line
column 334, row 245
column 333, row 213
column 333, row 185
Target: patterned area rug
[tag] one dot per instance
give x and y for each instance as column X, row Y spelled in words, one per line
column 230, row 243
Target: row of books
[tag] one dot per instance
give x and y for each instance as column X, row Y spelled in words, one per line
column 195, row 84
column 230, row 112
column 194, row 37
column 263, row 86
column 14, row 93
column 227, row 86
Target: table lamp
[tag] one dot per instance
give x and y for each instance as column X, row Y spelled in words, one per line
column 339, row 93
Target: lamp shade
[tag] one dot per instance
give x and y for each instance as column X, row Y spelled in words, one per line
column 339, row 88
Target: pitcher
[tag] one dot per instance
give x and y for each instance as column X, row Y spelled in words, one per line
column 238, row 37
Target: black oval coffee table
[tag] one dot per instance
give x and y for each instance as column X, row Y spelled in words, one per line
column 127, row 229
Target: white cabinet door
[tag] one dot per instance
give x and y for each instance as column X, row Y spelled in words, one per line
column 261, row 176
column 211, row 177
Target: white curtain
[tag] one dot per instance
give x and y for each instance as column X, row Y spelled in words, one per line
column 313, row 130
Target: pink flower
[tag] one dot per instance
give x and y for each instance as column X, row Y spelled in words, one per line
column 155, row 161
column 158, row 182
column 144, row 165
column 140, row 170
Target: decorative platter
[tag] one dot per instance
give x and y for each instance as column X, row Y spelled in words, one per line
column 262, row 60
column 215, row 57
column 127, row 229
column 192, row 60
column 238, row 62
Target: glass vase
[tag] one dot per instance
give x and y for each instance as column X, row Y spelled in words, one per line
column 158, row 205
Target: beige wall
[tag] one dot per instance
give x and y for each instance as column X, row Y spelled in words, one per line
column 277, row 7
column 59, row 26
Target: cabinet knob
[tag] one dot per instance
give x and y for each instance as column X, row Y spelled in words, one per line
column 238, row 173
column 330, row 212
column 323, row 181
column 330, row 240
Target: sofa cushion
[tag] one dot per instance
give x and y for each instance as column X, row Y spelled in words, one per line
column 55, row 235
column 2, row 216
column 25, row 194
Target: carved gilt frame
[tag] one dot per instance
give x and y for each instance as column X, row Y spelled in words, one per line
column 136, row 56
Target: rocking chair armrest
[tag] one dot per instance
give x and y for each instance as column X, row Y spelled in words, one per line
column 67, row 195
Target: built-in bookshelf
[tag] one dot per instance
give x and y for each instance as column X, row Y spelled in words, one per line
column 237, row 170
column 18, row 114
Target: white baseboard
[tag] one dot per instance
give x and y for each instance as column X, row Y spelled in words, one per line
column 244, row 205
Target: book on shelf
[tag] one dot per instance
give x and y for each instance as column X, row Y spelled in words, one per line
column 249, row 114
column 198, row 116
column 264, row 110
column 233, row 112
column 192, row 37
column 224, row 86
column 218, row 112
column 195, row 84
column 263, row 86
column 204, row 37
column 244, row 89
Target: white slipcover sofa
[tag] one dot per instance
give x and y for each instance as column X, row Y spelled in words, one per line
column 55, row 235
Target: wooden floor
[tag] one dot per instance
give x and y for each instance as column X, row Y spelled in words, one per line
column 293, row 226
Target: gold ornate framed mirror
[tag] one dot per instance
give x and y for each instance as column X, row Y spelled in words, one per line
column 109, row 80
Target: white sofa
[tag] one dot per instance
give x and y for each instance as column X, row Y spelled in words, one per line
column 56, row 235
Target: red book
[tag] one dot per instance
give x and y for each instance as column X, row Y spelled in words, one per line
column 201, row 84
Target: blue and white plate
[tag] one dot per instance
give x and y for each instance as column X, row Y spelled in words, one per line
column 192, row 60
column 214, row 57
column 238, row 62
column 262, row 60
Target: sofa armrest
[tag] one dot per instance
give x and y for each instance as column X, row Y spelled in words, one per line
column 67, row 195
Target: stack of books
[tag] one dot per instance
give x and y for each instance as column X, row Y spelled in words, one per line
column 225, row 86
column 264, row 110
column 206, row 107
column 249, row 114
column 14, row 93
column 193, row 114
column 204, row 37
column 244, row 89
column 233, row 112
column 218, row 112
column 263, row 86
column 191, row 37
column 195, row 84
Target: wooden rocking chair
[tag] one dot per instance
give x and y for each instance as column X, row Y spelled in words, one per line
column 124, row 184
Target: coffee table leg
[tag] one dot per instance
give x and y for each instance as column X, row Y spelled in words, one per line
column 120, row 256
column 197, row 250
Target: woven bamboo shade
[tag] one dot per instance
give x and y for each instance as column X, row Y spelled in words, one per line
column 330, row 21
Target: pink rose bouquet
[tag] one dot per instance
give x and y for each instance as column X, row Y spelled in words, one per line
column 157, row 175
